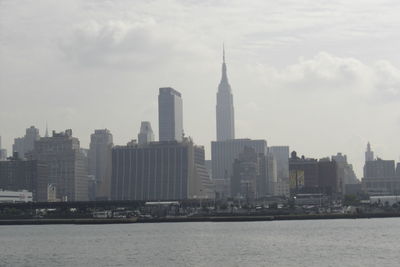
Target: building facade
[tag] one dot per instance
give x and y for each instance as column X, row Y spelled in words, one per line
column 23, row 145
column 380, row 177
column 146, row 134
column 170, row 115
column 18, row 174
column 160, row 171
column 311, row 176
column 67, row 166
column 3, row 152
column 281, row 156
column 99, row 156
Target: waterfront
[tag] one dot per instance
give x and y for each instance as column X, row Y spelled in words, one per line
column 361, row 242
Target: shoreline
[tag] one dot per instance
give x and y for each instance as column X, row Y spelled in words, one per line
column 232, row 218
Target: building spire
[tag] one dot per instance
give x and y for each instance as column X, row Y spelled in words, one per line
column 224, row 78
column 223, row 53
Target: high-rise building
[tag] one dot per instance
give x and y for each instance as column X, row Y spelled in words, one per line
column 345, row 172
column 19, row 174
column 170, row 115
column 303, row 174
column 329, row 181
column 101, row 143
column 369, row 154
column 23, row 145
column 380, row 177
column 160, row 171
column 308, row 175
column 254, row 175
column 145, row 135
column 225, row 112
column 3, row 152
column 247, row 174
column 223, row 155
column 281, row 155
column 379, row 169
column 67, row 166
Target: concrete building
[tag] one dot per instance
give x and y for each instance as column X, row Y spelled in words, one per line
column 247, row 173
column 170, row 115
column 345, row 172
column 380, row 177
column 312, row 176
column 3, row 152
column 224, row 153
column 7, row 196
column 225, row 111
column 329, row 181
column 146, row 134
column 99, row 156
column 270, row 187
column 254, row 175
column 23, row 145
column 303, row 173
column 160, row 171
column 281, row 155
column 68, row 170
column 18, row 174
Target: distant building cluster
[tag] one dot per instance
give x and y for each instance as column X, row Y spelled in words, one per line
column 56, row 168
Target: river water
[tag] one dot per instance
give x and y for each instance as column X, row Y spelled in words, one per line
column 360, row 242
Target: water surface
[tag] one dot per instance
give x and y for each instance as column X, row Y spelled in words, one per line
column 361, row 242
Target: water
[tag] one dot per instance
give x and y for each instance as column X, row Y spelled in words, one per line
column 362, row 242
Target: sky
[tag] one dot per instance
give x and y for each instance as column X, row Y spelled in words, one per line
column 320, row 76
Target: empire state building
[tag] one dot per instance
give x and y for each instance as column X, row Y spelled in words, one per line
column 225, row 112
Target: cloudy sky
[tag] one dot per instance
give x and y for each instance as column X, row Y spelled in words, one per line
column 320, row 76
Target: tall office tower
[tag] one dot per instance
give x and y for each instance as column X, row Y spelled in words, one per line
column 170, row 118
column 66, row 164
column 225, row 111
column 3, row 152
column 160, row 171
column 23, row 145
column 101, row 143
column 145, row 135
column 369, row 154
column 281, row 156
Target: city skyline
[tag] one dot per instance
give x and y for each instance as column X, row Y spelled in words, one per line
column 303, row 78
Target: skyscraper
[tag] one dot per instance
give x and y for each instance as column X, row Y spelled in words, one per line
column 3, row 152
column 369, row 154
column 281, row 155
column 101, row 143
column 66, row 165
column 145, row 135
column 225, row 112
column 23, row 145
column 170, row 118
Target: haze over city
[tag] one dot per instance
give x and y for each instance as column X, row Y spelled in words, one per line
column 320, row 77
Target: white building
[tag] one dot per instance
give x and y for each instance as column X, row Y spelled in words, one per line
column 15, row 196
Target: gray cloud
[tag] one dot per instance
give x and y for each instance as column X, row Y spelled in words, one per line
column 94, row 64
